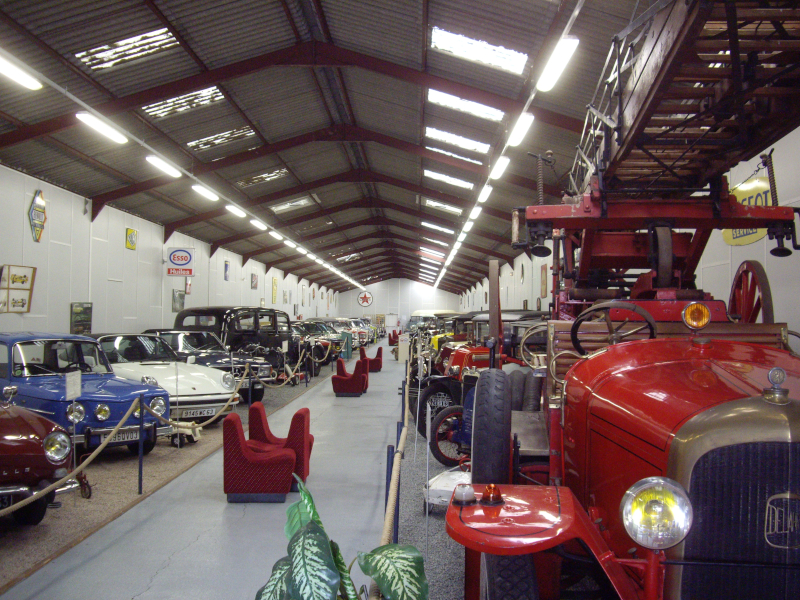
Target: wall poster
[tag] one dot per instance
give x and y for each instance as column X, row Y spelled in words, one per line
column 16, row 288
column 80, row 318
column 275, row 291
column 178, row 300
column 227, row 270
column 37, row 215
column 253, row 281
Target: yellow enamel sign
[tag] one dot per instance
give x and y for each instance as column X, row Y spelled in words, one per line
column 751, row 193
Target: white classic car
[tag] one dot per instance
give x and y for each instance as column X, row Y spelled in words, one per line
column 195, row 392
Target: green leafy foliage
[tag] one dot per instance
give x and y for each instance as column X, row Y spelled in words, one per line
column 313, row 575
column 346, row 588
column 398, row 571
column 297, row 516
column 308, row 501
column 275, row 588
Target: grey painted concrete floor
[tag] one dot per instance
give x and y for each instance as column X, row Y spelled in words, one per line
column 186, row 541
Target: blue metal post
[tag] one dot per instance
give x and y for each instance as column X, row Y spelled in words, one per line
column 389, row 461
column 141, row 440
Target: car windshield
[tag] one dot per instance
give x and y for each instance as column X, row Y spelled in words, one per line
column 314, row 327
column 51, row 357
column 299, row 329
column 136, row 348
column 193, row 341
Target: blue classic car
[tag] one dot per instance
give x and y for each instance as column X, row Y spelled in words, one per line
column 36, row 364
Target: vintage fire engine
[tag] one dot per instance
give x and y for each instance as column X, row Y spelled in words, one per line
column 665, row 459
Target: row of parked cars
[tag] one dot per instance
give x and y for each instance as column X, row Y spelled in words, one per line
column 188, row 373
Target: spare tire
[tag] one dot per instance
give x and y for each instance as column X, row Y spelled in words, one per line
column 508, row 578
column 532, row 394
column 516, row 387
column 491, row 429
column 440, row 395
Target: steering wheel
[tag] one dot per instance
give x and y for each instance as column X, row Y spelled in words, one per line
column 615, row 336
column 82, row 366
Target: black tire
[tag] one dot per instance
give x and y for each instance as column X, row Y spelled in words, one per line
column 532, row 394
column 491, row 429
column 148, row 446
column 508, row 578
column 32, row 514
column 318, row 354
column 443, row 450
column 516, row 387
column 433, row 390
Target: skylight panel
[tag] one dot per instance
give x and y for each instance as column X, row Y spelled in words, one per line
column 454, row 155
column 467, row 106
column 225, row 137
column 291, row 205
column 447, row 179
column 430, row 251
column 430, row 203
column 478, row 51
column 437, row 228
column 432, row 241
column 263, row 178
column 456, row 140
column 183, row 103
column 127, row 50
column 349, row 257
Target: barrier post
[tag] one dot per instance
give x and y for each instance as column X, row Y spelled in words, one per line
column 389, row 463
column 399, row 432
column 396, row 528
column 141, row 440
column 403, row 402
column 250, row 389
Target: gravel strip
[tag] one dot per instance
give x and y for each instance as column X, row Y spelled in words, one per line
column 114, row 477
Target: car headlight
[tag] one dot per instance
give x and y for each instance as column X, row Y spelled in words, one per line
column 228, row 382
column 159, row 405
column 454, row 370
column 149, row 380
column 656, row 513
column 102, row 412
column 56, row 446
column 696, row 315
column 76, row 412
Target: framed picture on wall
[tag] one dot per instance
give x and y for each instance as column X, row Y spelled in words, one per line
column 253, row 281
column 544, row 281
column 285, row 296
column 303, row 296
column 227, row 271
column 275, row 291
column 178, row 300
column 80, row 318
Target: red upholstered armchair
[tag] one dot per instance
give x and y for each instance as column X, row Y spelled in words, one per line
column 375, row 364
column 393, row 338
column 253, row 476
column 345, row 384
column 299, row 440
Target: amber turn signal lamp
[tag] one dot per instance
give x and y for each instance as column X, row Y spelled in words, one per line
column 491, row 496
column 696, row 315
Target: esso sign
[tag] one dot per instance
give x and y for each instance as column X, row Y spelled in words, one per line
column 179, row 262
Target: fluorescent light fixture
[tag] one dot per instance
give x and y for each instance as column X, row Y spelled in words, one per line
column 318, row 261
column 456, row 140
column 290, row 243
column 430, row 203
column 183, row 103
column 458, row 156
column 240, row 213
column 101, row 127
column 467, row 106
column 468, row 225
column 205, row 192
column 311, row 256
column 462, row 236
column 485, row 193
column 429, row 260
column 437, row 228
column 269, row 176
column 475, row 212
column 225, row 137
column 478, row 51
column 275, row 234
column 449, row 260
column 17, row 75
column 429, row 251
column 328, row 267
column 437, row 242
column 558, row 61
column 447, row 179
column 109, row 55
column 520, row 129
column 254, row 222
column 302, row 250
column 457, row 246
column 163, row 165
column 499, row 167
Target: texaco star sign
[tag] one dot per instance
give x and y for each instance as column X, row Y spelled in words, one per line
column 365, row 299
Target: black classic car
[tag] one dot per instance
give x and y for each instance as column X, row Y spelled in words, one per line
column 209, row 351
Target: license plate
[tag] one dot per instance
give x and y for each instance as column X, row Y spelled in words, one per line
column 122, row 436
column 199, row 412
column 439, row 402
column 6, row 501
column 245, row 383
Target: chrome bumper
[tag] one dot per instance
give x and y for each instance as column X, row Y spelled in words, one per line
column 70, row 485
column 161, row 430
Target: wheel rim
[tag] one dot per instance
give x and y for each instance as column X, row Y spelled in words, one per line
column 751, row 296
column 443, row 436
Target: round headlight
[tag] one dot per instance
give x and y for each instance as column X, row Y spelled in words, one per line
column 56, row 446
column 102, row 412
column 696, row 315
column 454, row 370
column 76, row 412
column 158, row 405
column 656, row 513
column 228, row 382
column 149, row 380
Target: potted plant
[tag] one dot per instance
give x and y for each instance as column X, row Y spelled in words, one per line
column 316, row 570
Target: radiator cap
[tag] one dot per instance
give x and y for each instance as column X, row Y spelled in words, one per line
column 776, row 394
